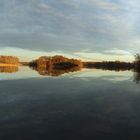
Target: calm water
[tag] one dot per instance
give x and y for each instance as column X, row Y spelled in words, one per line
column 85, row 105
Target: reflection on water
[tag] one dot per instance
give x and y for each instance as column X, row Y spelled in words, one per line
column 22, row 73
column 27, row 72
column 56, row 72
column 84, row 104
column 64, row 108
column 137, row 77
column 8, row 69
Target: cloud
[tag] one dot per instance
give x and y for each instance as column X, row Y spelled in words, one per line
column 104, row 57
column 84, row 55
column 32, row 54
column 70, row 25
column 115, row 51
column 102, row 4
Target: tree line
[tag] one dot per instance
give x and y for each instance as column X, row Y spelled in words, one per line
column 9, row 60
column 56, row 62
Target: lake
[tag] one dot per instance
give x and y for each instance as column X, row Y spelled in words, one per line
column 84, row 105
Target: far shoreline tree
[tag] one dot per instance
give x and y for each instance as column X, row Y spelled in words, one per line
column 137, row 62
column 9, row 60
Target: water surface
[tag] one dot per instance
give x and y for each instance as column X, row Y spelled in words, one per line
column 84, row 105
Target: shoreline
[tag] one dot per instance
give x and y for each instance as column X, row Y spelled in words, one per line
column 8, row 65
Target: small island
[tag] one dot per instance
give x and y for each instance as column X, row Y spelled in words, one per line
column 57, row 62
column 55, row 65
column 8, row 61
column 8, row 64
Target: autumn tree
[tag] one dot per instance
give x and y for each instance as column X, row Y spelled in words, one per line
column 9, row 59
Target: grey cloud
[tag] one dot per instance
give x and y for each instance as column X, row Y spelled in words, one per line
column 68, row 24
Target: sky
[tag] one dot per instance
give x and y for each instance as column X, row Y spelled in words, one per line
column 86, row 29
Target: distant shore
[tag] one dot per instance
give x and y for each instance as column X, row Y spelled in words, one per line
column 58, row 65
column 59, row 62
column 9, row 61
column 8, row 65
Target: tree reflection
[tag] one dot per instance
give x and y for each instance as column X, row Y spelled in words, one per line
column 8, row 69
column 136, row 74
column 59, row 65
column 137, row 77
column 52, row 71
